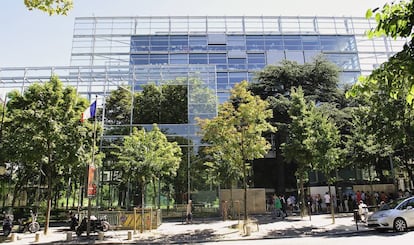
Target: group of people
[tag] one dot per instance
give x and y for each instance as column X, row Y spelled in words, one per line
column 280, row 206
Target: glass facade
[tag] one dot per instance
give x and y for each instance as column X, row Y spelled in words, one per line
column 237, row 57
column 237, row 45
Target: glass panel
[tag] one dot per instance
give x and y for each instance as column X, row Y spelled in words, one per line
column 139, row 59
column 274, row 42
column 255, row 43
column 158, row 59
column 179, row 59
column 311, row 43
column 178, row 43
column 236, row 42
column 236, row 77
column 256, row 61
column 344, row 61
column 139, row 43
column 198, row 42
column 293, row 42
column 159, row 43
column 198, row 59
column 295, row 56
column 273, row 57
column 237, row 63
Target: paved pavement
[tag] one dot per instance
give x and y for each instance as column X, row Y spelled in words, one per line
column 208, row 230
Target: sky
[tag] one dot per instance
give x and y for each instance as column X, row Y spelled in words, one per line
column 33, row 38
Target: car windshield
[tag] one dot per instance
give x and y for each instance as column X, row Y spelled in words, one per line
column 391, row 205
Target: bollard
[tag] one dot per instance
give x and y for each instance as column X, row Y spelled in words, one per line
column 100, row 236
column 248, row 230
column 129, row 235
column 69, row 236
column 37, row 237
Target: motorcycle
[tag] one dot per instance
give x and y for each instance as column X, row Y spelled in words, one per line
column 29, row 225
column 96, row 225
column 7, row 224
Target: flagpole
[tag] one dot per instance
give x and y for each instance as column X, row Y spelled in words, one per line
column 88, row 228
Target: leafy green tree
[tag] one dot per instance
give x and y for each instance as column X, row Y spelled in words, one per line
column 364, row 145
column 44, row 123
column 243, row 121
column 323, row 140
column 147, row 155
column 295, row 149
column 319, row 80
column 59, row 7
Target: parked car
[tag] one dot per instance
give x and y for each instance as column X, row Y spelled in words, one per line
column 397, row 215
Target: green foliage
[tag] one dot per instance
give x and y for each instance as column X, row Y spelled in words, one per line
column 58, row 7
column 145, row 156
column 45, row 133
column 235, row 135
column 395, row 19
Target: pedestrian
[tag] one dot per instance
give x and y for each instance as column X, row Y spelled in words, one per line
column 327, row 198
column 278, row 207
column 363, row 211
column 189, row 212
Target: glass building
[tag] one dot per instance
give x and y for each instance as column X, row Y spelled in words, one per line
column 108, row 52
column 238, row 46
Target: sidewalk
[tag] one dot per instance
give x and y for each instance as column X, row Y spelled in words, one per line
column 209, row 230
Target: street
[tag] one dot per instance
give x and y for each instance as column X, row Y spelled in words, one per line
column 346, row 239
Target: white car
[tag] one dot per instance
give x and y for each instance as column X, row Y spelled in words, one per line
column 397, row 215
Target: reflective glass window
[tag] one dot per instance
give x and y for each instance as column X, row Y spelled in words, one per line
column 344, row 61
column 216, row 47
column 179, row 59
column 348, row 78
column 198, row 59
column 236, row 77
column 292, row 42
column 139, row 59
column 197, row 42
column 273, row 42
column 178, row 43
column 158, row 59
column 139, row 43
column 236, row 42
column 295, row 56
column 222, row 80
column 237, row 63
column 311, row 43
column 159, row 43
column 254, row 42
column 274, row 56
column 256, row 61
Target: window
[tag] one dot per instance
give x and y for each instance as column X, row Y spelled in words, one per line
column 254, row 42
column 216, row 38
column 198, row 59
column 256, row 61
column 293, row 42
column 178, row 59
column 159, row 43
column 139, row 43
column 197, row 42
column 273, row 42
column 158, row 59
column 139, row 59
column 236, row 42
column 178, row 43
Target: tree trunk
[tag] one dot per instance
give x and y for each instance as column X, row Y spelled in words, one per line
column 49, row 201
column 302, row 196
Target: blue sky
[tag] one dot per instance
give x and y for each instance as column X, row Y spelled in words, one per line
column 32, row 38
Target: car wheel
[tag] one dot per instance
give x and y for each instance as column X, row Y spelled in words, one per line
column 400, row 225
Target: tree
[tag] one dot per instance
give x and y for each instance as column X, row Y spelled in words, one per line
column 44, row 124
column 318, row 79
column 323, row 140
column 147, row 155
column 59, row 7
column 240, row 140
column 295, row 149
